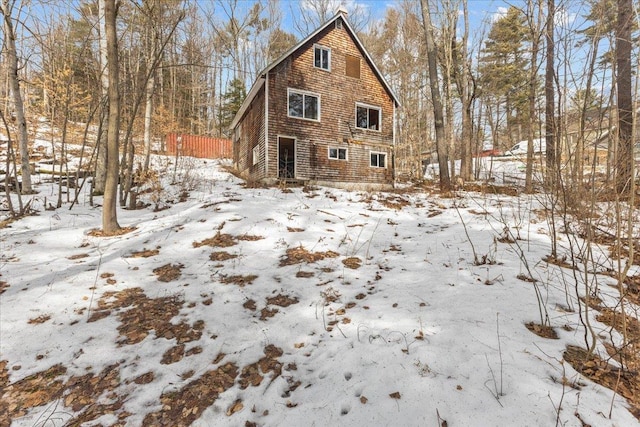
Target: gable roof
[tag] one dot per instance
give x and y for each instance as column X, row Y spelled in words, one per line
column 259, row 83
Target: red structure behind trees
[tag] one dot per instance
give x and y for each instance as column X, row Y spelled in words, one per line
column 199, row 146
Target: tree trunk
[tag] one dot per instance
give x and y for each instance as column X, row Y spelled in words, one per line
column 466, row 97
column 438, row 116
column 18, row 104
column 109, row 215
column 535, row 27
column 151, row 83
column 101, row 158
column 624, row 160
column 553, row 153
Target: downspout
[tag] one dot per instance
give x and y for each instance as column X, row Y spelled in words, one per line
column 266, row 126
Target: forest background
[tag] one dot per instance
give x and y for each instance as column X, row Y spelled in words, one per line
column 500, row 69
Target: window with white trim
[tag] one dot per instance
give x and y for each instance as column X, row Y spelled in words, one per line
column 303, row 105
column 378, row 160
column 368, row 117
column 256, row 154
column 337, row 153
column 322, row 57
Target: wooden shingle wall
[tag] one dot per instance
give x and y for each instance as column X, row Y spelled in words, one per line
column 336, row 128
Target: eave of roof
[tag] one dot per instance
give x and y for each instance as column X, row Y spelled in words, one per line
column 257, row 85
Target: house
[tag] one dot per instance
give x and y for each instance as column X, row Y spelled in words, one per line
column 322, row 113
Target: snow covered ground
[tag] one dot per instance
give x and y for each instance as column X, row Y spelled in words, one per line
column 289, row 307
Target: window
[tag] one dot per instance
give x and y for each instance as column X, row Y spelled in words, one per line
column 367, row 117
column 337, row 153
column 304, row 105
column 352, row 66
column 378, row 160
column 322, row 57
column 256, row 154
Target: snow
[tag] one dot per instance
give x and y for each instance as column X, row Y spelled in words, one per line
column 418, row 317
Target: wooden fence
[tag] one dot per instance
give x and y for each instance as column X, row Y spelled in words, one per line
column 199, row 146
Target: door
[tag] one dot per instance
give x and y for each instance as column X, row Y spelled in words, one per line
column 286, row 157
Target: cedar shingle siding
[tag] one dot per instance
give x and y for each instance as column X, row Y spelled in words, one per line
column 336, row 128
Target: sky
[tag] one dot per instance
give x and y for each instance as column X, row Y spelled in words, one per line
column 289, row 307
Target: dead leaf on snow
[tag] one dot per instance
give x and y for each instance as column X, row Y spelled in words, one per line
column 40, row 319
column 236, row 407
column 352, row 262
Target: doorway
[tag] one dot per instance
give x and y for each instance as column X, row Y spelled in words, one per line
column 286, row 158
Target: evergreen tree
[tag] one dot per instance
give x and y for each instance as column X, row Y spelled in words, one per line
column 504, row 68
column 231, row 102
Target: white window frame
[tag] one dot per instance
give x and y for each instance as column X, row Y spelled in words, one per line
column 378, row 154
column 317, row 47
column 255, row 153
column 337, row 156
column 304, row 93
column 369, row 107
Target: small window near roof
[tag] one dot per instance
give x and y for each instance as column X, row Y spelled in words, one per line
column 337, row 153
column 352, row 66
column 322, row 57
column 378, row 160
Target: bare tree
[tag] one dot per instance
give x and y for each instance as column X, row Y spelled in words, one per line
column 101, row 142
column 432, row 62
column 7, row 9
column 109, row 214
column 553, row 151
column 310, row 14
column 466, row 91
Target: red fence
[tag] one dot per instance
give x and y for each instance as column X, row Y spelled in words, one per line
column 199, row 146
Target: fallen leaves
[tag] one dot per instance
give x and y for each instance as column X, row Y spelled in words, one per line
column 40, row 319
column 221, row 256
column 352, row 262
column 182, row 407
column 299, row 254
column 544, row 331
column 35, row 390
column 168, row 272
column 144, row 253
column 239, row 280
column 282, row 300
